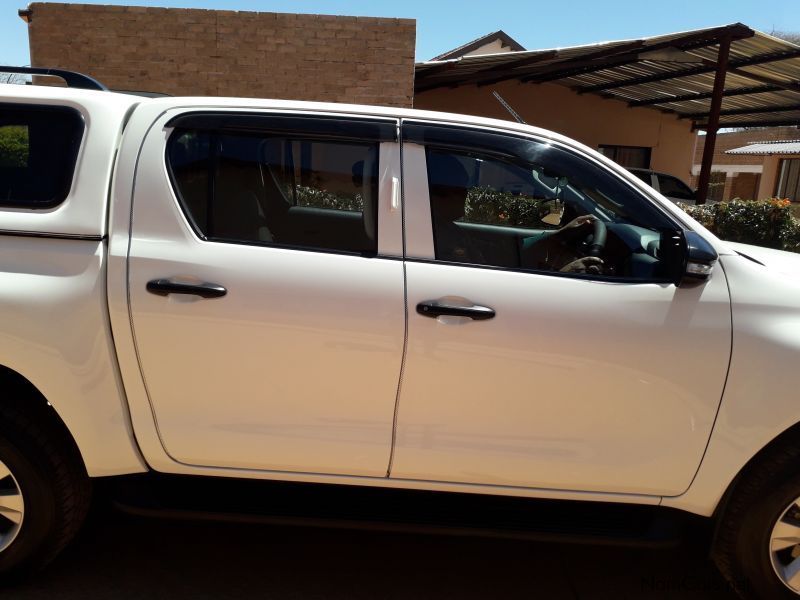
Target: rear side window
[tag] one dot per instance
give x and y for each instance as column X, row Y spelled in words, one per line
column 277, row 189
column 38, row 150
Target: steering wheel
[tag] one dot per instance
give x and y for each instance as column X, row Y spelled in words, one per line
column 599, row 235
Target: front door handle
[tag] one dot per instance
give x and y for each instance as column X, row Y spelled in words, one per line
column 434, row 308
column 165, row 287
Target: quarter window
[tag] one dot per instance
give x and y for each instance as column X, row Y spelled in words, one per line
column 278, row 190
column 38, row 150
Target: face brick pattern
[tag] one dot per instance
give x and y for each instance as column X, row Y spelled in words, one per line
column 362, row 60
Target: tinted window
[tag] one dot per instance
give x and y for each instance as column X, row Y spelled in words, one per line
column 643, row 175
column 272, row 189
column 542, row 212
column 38, row 150
column 674, row 188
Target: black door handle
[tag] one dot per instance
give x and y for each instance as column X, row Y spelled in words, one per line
column 165, row 287
column 434, row 308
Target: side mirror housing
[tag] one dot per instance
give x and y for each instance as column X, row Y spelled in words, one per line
column 700, row 259
column 689, row 258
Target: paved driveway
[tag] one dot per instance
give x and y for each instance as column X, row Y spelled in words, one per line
column 123, row 557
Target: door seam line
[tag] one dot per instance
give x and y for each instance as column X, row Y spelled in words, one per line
column 405, row 305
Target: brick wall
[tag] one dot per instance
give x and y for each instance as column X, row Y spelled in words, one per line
column 745, row 185
column 363, row 60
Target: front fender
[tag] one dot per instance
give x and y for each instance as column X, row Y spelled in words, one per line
column 762, row 394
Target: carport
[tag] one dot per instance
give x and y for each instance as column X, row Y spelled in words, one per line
column 729, row 76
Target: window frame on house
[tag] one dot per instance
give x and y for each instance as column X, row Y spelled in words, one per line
column 613, row 152
column 788, row 169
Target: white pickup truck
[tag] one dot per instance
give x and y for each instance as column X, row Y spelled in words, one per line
column 337, row 294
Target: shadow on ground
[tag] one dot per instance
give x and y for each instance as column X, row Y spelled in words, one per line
column 126, row 557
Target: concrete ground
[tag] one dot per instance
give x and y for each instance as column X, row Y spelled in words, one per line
column 130, row 558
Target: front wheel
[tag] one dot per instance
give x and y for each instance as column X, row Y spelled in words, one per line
column 44, row 491
column 758, row 539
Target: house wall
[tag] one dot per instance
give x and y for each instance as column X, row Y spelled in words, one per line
column 748, row 176
column 769, row 180
column 228, row 53
column 587, row 118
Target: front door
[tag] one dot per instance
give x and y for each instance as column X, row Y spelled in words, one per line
column 268, row 319
column 547, row 346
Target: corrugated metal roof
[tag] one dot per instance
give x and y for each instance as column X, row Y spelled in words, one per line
column 762, row 148
column 673, row 73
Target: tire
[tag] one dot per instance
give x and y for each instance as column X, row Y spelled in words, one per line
column 48, row 475
column 744, row 541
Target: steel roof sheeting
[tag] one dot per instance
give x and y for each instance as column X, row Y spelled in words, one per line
column 762, row 148
column 672, row 73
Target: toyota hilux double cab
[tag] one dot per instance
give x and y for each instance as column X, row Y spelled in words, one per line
column 374, row 297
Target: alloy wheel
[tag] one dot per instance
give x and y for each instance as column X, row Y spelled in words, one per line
column 12, row 507
column 784, row 547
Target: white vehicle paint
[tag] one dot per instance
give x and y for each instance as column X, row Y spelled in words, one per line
column 316, row 367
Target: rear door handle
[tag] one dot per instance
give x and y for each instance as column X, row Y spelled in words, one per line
column 165, row 287
column 434, row 308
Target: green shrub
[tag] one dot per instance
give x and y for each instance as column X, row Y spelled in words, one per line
column 311, row 196
column 768, row 223
column 485, row 205
column 13, row 146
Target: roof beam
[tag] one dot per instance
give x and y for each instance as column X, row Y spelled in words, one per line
column 742, row 111
column 436, row 69
column 542, row 56
column 743, row 124
column 617, row 55
column 588, row 58
column 502, row 74
column 792, row 86
column 582, row 66
column 743, row 91
column 733, row 67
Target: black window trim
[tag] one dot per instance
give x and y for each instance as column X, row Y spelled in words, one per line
column 75, row 147
column 311, row 126
column 461, row 137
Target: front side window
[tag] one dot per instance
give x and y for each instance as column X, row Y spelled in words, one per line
column 38, row 150
column 279, row 190
column 548, row 210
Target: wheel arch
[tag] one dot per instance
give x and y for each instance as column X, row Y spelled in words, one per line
column 776, row 447
column 19, row 391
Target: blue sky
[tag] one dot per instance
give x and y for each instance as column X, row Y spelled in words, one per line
column 445, row 24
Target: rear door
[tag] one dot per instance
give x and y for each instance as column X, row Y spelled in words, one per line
column 265, row 291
